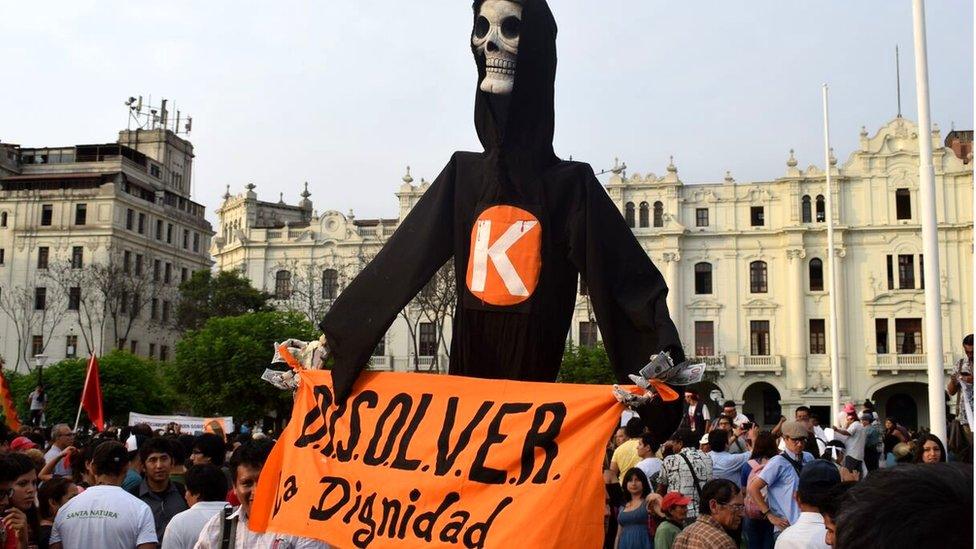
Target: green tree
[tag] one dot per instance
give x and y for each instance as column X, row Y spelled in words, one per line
column 218, row 368
column 586, row 364
column 129, row 383
column 228, row 293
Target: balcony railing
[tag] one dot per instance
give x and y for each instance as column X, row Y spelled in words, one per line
column 713, row 363
column 381, row 363
column 902, row 363
column 761, row 364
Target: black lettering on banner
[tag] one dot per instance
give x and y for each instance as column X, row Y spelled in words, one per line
column 404, row 402
column 291, row 489
column 423, row 528
column 481, row 528
column 408, row 514
column 488, row 475
column 336, row 414
column 355, row 506
column 391, row 515
column 542, row 439
column 323, row 512
column 401, row 461
column 364, row 536
column 323, row 397
column 369, row 398
column 445, row 454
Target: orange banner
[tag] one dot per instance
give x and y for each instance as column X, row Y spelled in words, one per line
column 446, row 461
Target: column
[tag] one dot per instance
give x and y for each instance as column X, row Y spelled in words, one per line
column 796, row 357
column 672, row 275
column 841, row 289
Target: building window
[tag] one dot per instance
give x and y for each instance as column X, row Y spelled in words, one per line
column 40, row 299
column 47, row 214
column 759, row 337
column 2, row 254
column 3, row 219
column 821, row 209
column 816, row 275
column 81, row 214
column 37, row 345
column 704, row 338
column 644, row 215
column 129, row 217
column 921, row 271
column 428, row 339
column 43, row 254
column 818, row 337
column 154, row 309
column 136, row 305
column 906, row 272
column 157, row 269
column 196, row 242
column 126, row 261
column 587, row 333
column 159, row 229
column 77, row 257
column 757, row 277
column 74, row 298
column 186, row 239
column 138, row 264
column 881, row 336
column 891, row 274
column 282, row 284
column 142, row 223
column 701, row 217
column 908, row 336
column 903, row 204
column 133, row 346
column 152, row 350
column 629, row 214
column 165, row 311
column 330, row 284
column 163, row 353
column 380, row 348
column 168, row 273
column 154, row 171
column 757, row 216
column 123, row 301
column 71, row 346
column 806, row 214
column 169, row 233
column 703, row 278
column 184, row 274
column 658, row 214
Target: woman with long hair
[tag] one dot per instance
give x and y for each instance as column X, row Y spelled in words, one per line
column 24, row 493
column 929, row 449
column 632, row 518
column 757, row 529
column 50, row 497
column 893, row 435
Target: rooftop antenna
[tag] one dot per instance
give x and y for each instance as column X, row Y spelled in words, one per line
column 898, row 78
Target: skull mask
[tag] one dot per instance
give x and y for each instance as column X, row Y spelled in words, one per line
column 496, row 36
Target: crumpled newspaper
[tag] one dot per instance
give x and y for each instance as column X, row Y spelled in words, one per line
column 655, row 377
column 310, row 355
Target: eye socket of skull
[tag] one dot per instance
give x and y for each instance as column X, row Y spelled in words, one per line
column 511, row 27
column 481, row 27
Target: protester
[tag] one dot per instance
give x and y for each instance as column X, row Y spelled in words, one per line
column 835, row 453
column 36, row 402
column 51, row 496
column 721, row 513
column 915, row 506
column 729, row 410
column 164, row 497
column 620, row 436
column 724, row 464
column 625, row 456
column 22, row 444
column 124, row 521
column 245, row 466
column 697, row 415
column 830, row 507
column 961, row 386
column 757, row 529
column 902, row 453
column 873, row 441
column 929, row 449
column 25, row 493
column 133, row 477
column 816, row 480
column 704, row 445
column 894, row 433
column 781, row 477
column 633, row 515
column 205, row 491
column 649, row 463
column 674, row 506
column 686, row 471
column 14, row 522
column 856, row 434
column 61, row 438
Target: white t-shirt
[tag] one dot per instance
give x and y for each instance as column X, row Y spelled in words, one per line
column 855, row 443
column 185, row 527
column 104, row 516
column 650, row 466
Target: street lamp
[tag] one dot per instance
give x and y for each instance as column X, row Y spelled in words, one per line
column 39, row 361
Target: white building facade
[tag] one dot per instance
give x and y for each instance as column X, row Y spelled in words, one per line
column 745, row 264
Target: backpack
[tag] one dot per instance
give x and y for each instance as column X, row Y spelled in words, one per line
column 752, row 507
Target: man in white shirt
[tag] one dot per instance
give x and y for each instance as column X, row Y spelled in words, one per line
column 245, row 467
column 105, row 515
column 809, row 531
column 650, row 464
column 206, row 488
column 61, row 437
column 856, row 432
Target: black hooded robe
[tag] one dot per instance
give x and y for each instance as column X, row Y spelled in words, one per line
column 563, row 225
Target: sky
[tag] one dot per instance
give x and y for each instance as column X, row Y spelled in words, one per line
column 345, row 95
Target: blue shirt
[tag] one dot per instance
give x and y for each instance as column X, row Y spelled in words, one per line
column 728, row 466
column 781, row 483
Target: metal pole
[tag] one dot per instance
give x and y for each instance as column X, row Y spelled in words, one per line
column 930, row 234
column 831, row 272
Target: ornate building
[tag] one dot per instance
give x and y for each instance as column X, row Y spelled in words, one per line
column 745, row 263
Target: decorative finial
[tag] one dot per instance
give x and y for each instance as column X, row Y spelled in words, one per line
column 281, row 198
column 864, row 131
column 728, row 177
column 227, row 193
column 250, row 187
column 935, row 127
column 671, row 167
column 833, row 159
column 305, row 193
column 407, row 178
column 791, row 162
column 618, row 167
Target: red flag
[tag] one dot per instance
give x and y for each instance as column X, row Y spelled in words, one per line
column 91, row 395
column 7, row 402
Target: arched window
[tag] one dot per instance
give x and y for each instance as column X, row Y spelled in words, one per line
column 703, row 278
column 629, row 214
column 3, row 219
column 821, row 209
column 807, row 214
column 282, row 284
column 757, row 277
column 816, row 275
column 330, row 284
column 644, row 214
column 658, row 214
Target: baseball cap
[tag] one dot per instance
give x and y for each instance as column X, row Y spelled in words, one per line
column 673, row 499
column 22, row 443
column 818, row 476
column 795, row 429
column 704, row 439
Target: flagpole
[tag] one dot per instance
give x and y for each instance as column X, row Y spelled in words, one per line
column 83, row 389
column 831, row 272
column 930, row 234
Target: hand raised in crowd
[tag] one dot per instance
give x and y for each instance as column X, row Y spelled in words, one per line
column 15, row 519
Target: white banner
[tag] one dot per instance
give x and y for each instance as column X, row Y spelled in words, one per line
column 188, row 425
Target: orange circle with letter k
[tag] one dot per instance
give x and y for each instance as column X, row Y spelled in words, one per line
column 506, row 256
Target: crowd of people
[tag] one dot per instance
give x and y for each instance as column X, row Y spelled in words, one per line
column 724, row 483
column 131, row 488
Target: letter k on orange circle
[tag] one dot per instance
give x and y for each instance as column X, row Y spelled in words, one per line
column 506, row 255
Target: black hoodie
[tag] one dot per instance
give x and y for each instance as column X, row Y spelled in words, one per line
column 560, row 224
